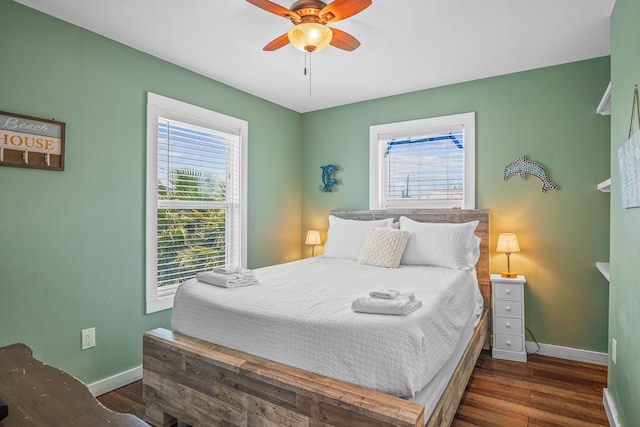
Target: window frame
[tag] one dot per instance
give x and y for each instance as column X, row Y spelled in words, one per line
column 431, row 125
column 161, row 106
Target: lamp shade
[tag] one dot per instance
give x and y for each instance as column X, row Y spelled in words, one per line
column 313, row 237
column 310, row 36
column 508, row 243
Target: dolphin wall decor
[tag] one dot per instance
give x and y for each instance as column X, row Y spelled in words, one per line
column 328, row 181
column 524, row 167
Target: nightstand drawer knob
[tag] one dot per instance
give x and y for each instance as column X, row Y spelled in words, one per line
column 508, row 324
column 508, row 308
column 508, row 342
column 508, row 291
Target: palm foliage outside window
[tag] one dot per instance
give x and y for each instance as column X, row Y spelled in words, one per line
column 195, row 168
column 189, row 239
column 195, row 196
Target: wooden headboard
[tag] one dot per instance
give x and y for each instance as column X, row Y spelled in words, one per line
column 441, row 215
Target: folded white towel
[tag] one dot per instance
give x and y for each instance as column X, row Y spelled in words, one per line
column 227, row 280
column 227, row 270
column 246, row 274
column 401, row 305
column 232, row 270
column 391, row 294
column 384, row 293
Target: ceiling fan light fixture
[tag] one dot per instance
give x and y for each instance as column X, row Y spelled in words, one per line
column 310, row 36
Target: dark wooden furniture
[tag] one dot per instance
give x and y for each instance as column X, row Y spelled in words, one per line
column 203, row 383
column 41, row 395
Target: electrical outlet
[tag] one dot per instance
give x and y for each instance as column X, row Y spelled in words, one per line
column 88, row 338
column 614, row 350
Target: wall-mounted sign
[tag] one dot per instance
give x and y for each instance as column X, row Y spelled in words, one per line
column 629, row 160
column 30, row 142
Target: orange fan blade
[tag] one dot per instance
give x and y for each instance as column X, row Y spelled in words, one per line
column 277, row 43
column 342, row 9
column 275, row 9
column 344, row 41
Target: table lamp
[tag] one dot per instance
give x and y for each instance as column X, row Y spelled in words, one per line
column 508, row 243
column 313, row 239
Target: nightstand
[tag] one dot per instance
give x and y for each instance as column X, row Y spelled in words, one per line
column 507, row 303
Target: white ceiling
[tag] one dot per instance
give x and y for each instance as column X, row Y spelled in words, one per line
column 407, row 45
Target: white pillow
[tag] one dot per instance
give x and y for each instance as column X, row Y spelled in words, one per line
column 384, row 247
column 441, row 244
column 346, row 237
column 474, row 252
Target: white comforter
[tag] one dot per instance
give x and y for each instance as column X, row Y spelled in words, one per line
column 300, row 315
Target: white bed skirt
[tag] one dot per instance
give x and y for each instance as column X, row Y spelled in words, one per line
column 431, row 393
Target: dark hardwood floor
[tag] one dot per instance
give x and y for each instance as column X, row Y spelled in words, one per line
column 544, row 392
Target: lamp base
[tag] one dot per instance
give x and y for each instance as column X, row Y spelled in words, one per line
column 509, row 274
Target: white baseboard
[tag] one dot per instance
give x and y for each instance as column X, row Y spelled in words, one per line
column 569, row 353
column 610, row 409
column 119, row 380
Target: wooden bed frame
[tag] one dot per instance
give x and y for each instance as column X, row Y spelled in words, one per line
column 205, row 384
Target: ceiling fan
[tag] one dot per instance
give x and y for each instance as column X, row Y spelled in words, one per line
column 310, row 17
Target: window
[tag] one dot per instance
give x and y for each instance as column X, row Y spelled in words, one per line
column 196, row 195
column 426, row 163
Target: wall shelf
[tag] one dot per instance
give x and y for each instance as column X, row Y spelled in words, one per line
column 603, row 267
column 604, row 108
column 605, row 186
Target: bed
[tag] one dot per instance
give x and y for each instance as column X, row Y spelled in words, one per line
column 192, row 377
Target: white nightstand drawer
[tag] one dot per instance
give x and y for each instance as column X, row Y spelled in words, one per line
column 507, row 308
column 507, row 303
column 508, row 342
column 507, row 291
column 507, row 325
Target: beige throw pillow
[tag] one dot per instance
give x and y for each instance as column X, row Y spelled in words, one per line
column 384, row 247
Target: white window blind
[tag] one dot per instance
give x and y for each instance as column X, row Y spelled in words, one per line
column 427, row 167
column 196, row 195
column 426, row 163
column 198, row 183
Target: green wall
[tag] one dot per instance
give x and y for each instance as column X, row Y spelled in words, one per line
column 72, row 242
column 624, row 295
column 547, row 114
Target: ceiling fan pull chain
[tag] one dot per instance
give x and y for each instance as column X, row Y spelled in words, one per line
column 307, row 58
column 309, row 73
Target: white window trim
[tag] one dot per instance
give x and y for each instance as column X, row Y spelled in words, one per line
column 415, row 127
column 157, row 105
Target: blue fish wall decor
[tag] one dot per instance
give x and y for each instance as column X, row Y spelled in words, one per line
column 329, row 183
column 524, row 167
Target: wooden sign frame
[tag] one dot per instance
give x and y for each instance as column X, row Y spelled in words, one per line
column 31, row 142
